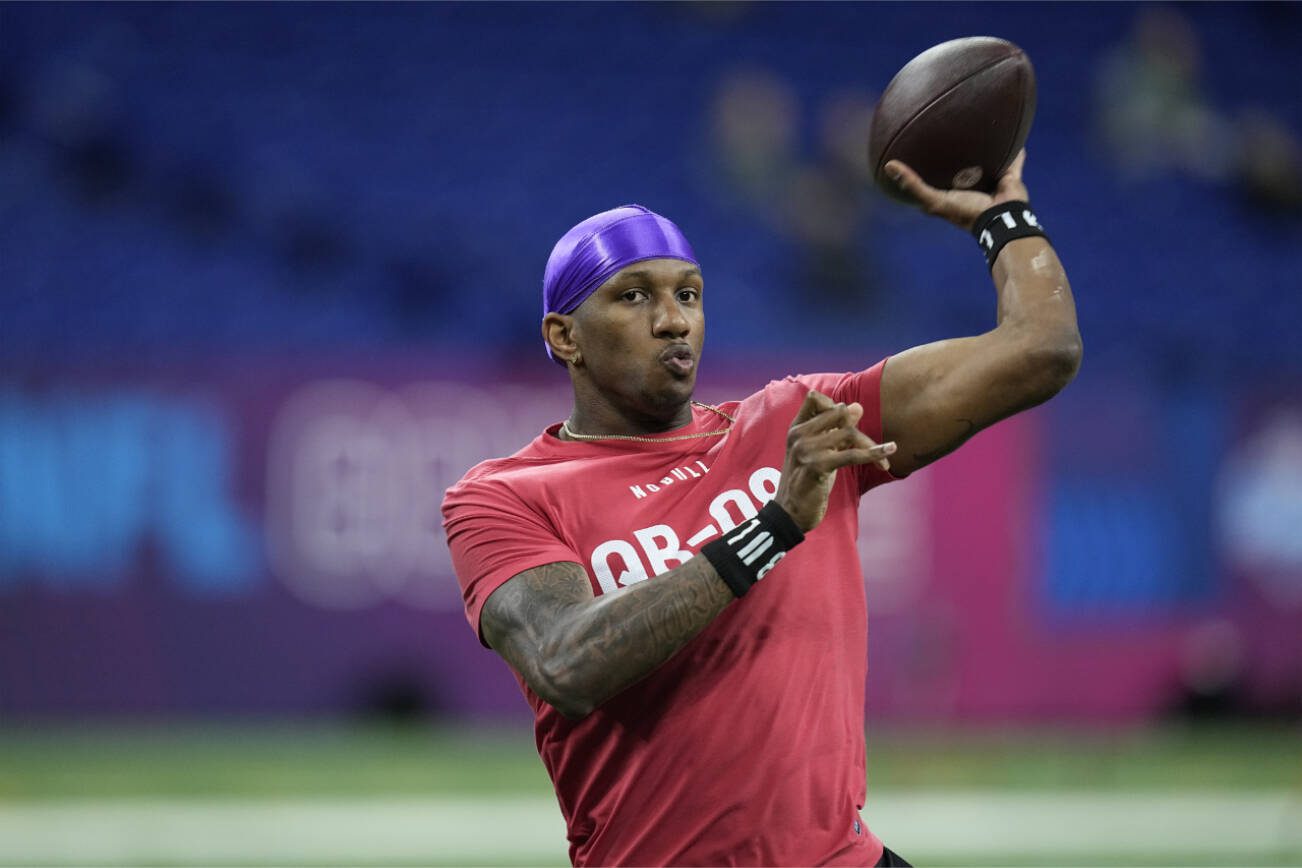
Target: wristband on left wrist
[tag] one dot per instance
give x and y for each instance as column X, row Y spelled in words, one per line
column 746, row 554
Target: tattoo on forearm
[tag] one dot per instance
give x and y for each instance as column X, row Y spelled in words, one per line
column 969, row 428
column 636, row 630
column 548, row 626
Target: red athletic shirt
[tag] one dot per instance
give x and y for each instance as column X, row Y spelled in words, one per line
column 746, row 747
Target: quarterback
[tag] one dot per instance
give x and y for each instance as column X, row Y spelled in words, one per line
column 676, row 586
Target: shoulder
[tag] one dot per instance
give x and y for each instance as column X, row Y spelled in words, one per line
column 502, row 478
column 781, row 399
column 838, row 385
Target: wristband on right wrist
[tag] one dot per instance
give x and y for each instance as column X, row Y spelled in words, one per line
column 745, row 554
column 1005, row 222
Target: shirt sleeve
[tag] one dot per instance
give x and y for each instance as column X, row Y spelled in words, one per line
column 865, row 387
column 494, row 536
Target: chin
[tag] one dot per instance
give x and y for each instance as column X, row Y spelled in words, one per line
column 668, row 400
column 682, row 390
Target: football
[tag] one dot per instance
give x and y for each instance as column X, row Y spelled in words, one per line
column 957, row 114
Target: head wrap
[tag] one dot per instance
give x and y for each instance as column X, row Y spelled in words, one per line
column 596, row 249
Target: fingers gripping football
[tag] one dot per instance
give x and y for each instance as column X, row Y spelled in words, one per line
column 824, row 437
column 960, row 207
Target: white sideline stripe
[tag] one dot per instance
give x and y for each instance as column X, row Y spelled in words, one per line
column 276, row 831
column 935, row 824
column 1229, row 824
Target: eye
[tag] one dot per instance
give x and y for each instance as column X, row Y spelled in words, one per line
column 689, row 294
column 633, row 294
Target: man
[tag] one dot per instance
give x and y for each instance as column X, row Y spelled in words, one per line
column 686, row 620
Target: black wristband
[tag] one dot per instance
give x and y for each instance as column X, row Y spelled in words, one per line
column 745, row 554
column 1004, row 222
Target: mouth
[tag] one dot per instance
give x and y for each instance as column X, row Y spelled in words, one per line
column 679, row 359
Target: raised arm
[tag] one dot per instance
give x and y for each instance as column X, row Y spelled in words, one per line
column 576, row 650
column 936, row 396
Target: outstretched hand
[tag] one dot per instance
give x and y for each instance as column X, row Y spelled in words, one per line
column 960, row 207
column 823, row 437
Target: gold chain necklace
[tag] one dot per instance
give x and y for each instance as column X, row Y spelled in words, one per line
column 569, row 432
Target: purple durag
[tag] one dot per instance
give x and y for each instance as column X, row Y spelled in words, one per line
column 596, row 249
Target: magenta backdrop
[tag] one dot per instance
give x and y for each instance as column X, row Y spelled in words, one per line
column 281, row 550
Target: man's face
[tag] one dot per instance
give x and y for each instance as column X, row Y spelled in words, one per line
column 641, row 334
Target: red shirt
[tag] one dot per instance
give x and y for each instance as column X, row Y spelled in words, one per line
column 746, row 747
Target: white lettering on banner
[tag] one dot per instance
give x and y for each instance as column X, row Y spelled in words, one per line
column 896, row 541
column 633, row 571
column 356, row 474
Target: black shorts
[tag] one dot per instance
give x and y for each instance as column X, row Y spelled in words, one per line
column 891, row 859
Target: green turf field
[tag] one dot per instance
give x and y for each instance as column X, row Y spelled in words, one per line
column 325, row 795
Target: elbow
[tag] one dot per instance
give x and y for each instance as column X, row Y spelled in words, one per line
column 1052, row 365
column 560, row 686
column 574, row 713
column 572, row 706
column 1065, row 360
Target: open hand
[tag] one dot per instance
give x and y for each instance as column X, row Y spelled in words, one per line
column 960, row 207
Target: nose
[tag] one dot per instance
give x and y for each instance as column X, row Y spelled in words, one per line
column 669, row 319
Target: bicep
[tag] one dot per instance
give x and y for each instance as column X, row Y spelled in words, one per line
column 936, row 396
column 519, row 616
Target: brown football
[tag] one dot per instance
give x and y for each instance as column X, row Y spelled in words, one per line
column 958, row 113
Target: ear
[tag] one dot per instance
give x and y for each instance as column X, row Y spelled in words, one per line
column 558, row 332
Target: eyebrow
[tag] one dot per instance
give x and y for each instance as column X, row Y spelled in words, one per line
column 646, row 275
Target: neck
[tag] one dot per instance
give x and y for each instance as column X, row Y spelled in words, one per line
column 598, row 415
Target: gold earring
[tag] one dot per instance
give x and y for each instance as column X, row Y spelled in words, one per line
column 578, row 357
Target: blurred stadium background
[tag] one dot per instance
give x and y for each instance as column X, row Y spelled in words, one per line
column 269, row 281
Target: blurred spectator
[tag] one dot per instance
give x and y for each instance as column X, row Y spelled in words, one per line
column 1261, row 507
column 1270, row 163
column 843, row 122
column 822, row 205
column 1211, row 660
column 1152, row 112
column 754, row 122
column 830, row 202
column 1153, row 116
column 78, row 111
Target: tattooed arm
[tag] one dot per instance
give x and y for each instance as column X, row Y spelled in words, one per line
column 576, row 650
column 936, row 396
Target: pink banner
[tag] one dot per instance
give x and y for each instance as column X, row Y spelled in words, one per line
column 265, row 537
